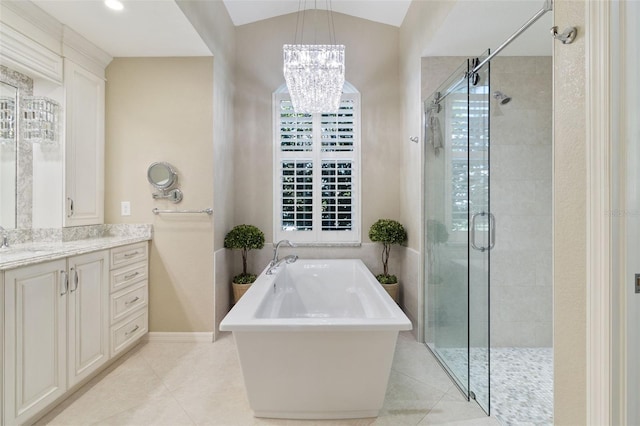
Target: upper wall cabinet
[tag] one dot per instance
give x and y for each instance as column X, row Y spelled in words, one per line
column 84, row 146
column 58, row 188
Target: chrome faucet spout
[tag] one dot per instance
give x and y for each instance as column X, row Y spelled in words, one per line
column 287, row 259
column 277, row 247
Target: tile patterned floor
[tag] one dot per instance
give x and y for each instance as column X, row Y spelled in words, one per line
column 521, row 382
column 522, row 386
column 177, row 384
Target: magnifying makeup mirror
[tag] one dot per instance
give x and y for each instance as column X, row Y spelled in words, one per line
column 164, row 177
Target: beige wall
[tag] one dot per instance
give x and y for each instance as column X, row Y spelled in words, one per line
column 371, row 66
column 160, row 109
column 212, row 22
column 570, row 193
column 422, row 20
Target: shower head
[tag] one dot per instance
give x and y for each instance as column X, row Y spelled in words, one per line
column 501, row 97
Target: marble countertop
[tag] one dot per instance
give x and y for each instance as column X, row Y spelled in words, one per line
column 29, row 253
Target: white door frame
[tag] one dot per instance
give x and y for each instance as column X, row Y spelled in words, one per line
column 598, row 102
column 607, row 278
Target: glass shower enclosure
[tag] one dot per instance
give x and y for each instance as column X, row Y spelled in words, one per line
column 460, row 229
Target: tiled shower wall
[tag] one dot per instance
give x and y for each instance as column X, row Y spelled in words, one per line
column 521, row 170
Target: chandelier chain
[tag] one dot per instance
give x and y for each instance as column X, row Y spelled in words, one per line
column 332, row 26
column 298, row 36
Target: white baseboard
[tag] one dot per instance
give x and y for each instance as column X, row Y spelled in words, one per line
column 180, row 337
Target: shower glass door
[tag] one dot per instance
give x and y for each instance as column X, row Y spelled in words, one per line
column 458, row 229
column 481, row 236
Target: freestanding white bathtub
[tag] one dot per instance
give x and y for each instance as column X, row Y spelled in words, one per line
column 316, row 340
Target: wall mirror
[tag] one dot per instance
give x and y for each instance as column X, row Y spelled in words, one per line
column 163, row 177
column 8, row 154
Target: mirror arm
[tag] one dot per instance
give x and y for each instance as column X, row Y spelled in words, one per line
column 175, row 195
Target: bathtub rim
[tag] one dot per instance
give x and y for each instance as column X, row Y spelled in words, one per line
column 242, row 316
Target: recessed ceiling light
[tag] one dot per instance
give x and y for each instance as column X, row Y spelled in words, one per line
column 114, row 4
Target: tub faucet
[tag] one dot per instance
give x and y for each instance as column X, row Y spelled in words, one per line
column 275, row 250
column 5, row 240
column 288, row 259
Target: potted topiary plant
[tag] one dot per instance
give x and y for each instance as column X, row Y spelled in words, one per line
column 388, row 232
column 244, row 238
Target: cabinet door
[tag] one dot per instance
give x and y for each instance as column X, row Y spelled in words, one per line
column 35, row 339
column 84, row 146
column 88, row 314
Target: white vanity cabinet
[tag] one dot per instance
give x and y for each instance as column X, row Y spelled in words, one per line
column 129, row 287
column 84, row 146
column 88, row 315
column 35, row 339
column 56, row 330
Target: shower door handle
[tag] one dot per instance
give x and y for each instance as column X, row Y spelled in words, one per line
column 492, row 231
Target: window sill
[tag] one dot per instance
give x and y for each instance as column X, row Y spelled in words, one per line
column 328, row 244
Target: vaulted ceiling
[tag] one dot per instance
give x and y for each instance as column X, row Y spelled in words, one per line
column 159, row 28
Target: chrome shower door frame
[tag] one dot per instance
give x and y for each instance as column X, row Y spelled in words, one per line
column 459, row 226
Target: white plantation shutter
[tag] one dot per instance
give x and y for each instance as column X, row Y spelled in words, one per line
column 465, row 152
column 317, row 164
column 337, row 195
column 296, row 130
column 297, row 195
column 338, row 129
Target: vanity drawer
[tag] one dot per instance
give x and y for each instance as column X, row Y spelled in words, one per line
column 127, row 332
column 126, row 301
column 124, row 277
column 127, row 255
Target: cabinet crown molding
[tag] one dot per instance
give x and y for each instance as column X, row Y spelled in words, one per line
column 39, row 32
column 20, row 53
column 28, row 19
column 83, row 52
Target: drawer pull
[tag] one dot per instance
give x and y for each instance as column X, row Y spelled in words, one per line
column 128, row 277
column 128, row 255
column 133, row 330
column 134, row 300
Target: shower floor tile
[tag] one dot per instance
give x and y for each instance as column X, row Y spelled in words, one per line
column 521, row 382
column 522, row 385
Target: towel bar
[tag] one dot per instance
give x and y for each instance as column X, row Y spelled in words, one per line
column 207, row 211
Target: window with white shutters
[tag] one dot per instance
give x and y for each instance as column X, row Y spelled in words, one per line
column 317, row 173
column 466, row 154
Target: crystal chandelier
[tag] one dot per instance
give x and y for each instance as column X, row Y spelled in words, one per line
column 314, row 73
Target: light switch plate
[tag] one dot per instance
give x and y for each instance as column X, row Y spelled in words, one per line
column 125, row 208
